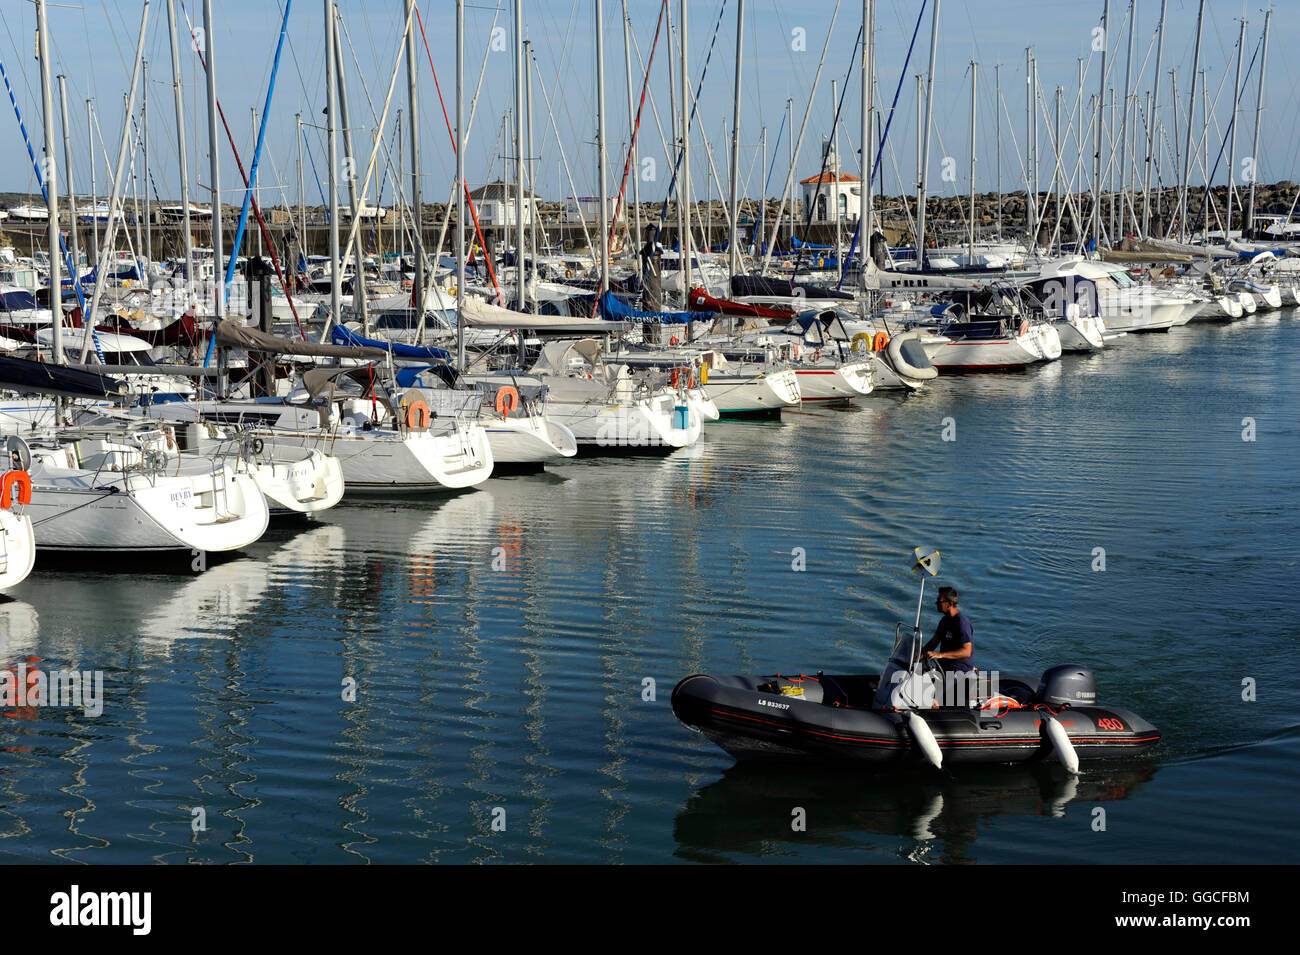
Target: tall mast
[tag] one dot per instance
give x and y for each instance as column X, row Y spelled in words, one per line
column 834, row 146
column 302, row 201
column 684, row 183
column 600, row 139
column 356, row 197
column 1191, row 118
column 1259, row 110
column 1151, row 124
column 214, row 169
column 144, row 124
column 331, row 138
column 94, row 199
column 1030, row 199
column 1236, row 111
column 1124, row 126
column 417, row 287
column 733, row 189
column 519, row 152
column 868, row 155
column 925, row 150
column 997, row 115
column 631, row 121
column 460, row 184
column 532, row 156
column 187, row 234
column 974, row 80
column 73, row 250
column 1100, row 112
column 51, row 185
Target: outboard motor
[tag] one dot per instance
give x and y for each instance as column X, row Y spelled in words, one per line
column 1070, row 684
column 879, row 251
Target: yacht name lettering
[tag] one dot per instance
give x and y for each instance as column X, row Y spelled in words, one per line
column 181, row 498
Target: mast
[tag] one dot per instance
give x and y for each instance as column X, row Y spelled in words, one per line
column 733, row 189
column 94, row 199
column 1030, row 199
column 1259, row 110
column 631, row 120
column 1124, row 127
column 974, row 80
column 331, row 137
column 1100, row 112
column 1151, row 124
column 302, row 203
column 1191, row 118
column 925, row 150
column 997, row 115
column 864, row 212
column 684, row 184
column 460, row 183
column 519, row 153
column 188, row 235
column 356, row 202
column 417, row 287
column 834, row 146
column 72, row 196
column 144, row 123
column 214, row 167
column 51, row 185
column 532, row 156
column 1236, row 111
column 600, row 137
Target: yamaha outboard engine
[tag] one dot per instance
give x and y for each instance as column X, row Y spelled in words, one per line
column 1070, row 684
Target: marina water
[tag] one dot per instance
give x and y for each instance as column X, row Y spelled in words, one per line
column 486, row 677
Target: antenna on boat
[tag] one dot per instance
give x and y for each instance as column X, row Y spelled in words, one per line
column 926, row 563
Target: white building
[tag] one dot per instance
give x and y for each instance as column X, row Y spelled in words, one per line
column 495, row 204
column 833, row 194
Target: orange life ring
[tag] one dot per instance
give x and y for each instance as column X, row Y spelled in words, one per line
column 417, row 416
column 1024, row 326
column 507, row 400
column 880, row 342
column 24, row 482
column 676, row 376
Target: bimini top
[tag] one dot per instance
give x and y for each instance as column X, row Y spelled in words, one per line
column 556, row 357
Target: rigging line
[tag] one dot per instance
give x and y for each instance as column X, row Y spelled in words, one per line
column 54, row 296
column 884, row 138
column 821, row 175
column 682, row 241
column 250, row 198
column 631, row 146
column 519, row 253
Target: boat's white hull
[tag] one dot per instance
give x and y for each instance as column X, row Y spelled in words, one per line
column 831, row 382
column 532, row 441
column 649, row 424
column 761, row 393
column 1039, row 342
column 1080, row 334
column 309, row 485
column 78, row 510
column 17, row 548
column 386, row 462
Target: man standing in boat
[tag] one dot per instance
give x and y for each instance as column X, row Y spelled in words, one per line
column 954, row 636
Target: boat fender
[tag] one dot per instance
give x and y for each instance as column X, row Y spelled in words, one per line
column 704, row 374
column 925, row 740
column 24, row 482
column 507, row 401
column 417, row 416
column 170, row 434
column 1061, row 743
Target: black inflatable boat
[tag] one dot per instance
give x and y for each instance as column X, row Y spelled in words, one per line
column 912, row 713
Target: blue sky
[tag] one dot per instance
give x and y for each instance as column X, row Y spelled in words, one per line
column 94, row 44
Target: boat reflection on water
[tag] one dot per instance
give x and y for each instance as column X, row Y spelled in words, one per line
column 748, row 812
column 20, row 625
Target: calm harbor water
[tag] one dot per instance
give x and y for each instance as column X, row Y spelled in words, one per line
column 499, row 640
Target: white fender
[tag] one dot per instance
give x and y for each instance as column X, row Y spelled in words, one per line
column 1061, row 743
column 925, row 740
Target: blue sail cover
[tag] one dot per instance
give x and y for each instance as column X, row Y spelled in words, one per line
column 798, row 243
column 345, row 336
column 615, row 309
